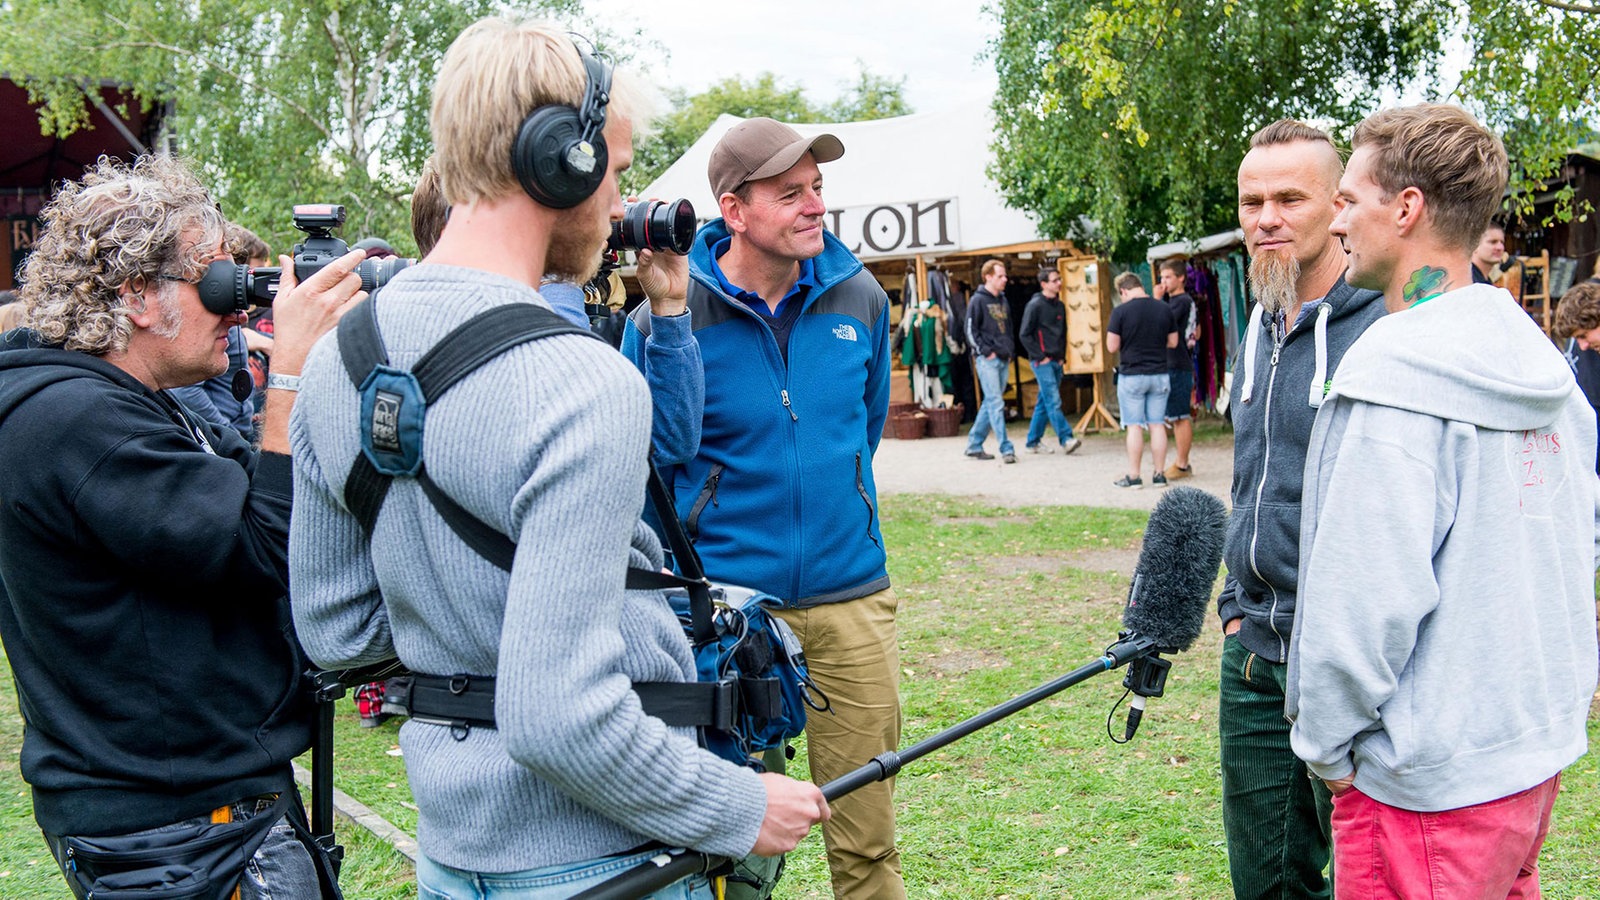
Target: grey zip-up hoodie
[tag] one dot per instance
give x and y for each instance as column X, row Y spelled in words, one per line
column 1279, row 380
column 1444, row 645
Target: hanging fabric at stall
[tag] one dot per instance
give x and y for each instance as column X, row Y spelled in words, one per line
column 925, row 349
column 1210, row 351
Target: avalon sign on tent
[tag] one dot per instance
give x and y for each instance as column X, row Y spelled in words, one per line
column 908, row 186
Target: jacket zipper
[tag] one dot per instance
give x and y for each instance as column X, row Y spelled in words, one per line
column 1266, row 461
column 708, row 492
column 861, row 488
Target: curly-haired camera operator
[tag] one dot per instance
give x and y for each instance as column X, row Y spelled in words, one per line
column 144, row 552
column 559, row 776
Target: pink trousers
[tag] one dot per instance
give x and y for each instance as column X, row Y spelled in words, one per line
column 1485, row 852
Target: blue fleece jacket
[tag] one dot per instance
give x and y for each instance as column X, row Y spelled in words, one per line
column 775, row 486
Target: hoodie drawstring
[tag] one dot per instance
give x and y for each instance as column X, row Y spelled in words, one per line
column 1319, row 376
column 1253, row 330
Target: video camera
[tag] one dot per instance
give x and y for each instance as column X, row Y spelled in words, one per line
column 229, row 288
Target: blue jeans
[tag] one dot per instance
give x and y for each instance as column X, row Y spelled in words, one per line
column 558, row 882
column 1049, row 404
column 280, row 869
column 992, row 412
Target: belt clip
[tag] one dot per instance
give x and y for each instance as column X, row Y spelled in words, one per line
column 724, row 704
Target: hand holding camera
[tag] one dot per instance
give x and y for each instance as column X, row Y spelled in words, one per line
column 650, row 227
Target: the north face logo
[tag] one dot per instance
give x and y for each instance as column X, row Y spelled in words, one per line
column 845, row 332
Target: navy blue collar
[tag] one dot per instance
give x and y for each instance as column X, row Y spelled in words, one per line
column 802, row 285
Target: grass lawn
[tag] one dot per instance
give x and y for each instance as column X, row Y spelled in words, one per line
column 994, row 602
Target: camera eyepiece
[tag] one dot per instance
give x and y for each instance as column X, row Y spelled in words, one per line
column 654, row 225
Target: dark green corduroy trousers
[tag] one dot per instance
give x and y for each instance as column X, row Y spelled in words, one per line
column 1275, row 813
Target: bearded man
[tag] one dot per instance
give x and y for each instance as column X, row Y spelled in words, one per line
column 1304, row 319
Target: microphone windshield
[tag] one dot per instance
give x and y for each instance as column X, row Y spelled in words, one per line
column 1177, row 568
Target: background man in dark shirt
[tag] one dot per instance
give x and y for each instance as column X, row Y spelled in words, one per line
column 989, row 335
column 1489, row 254
column 1180, row 365
column 1044, row 339
column 1141, row 329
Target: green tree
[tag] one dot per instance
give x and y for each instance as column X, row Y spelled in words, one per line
column 1533, row 73
column 691, row 114
column 279, row 101
column 1120, row 125
column 871, row 97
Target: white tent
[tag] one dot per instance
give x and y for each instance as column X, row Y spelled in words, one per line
column 907, row 186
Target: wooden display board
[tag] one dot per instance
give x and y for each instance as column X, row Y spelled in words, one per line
column 1087, row 314
column 1084, row 288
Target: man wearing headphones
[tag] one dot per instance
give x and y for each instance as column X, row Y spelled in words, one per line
column 546, row 443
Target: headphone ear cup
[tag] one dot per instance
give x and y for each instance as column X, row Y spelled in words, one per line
column 539, row 158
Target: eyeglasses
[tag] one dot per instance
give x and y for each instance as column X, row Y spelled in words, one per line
column 165, row 277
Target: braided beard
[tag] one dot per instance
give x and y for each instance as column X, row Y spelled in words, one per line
column 1273, row 280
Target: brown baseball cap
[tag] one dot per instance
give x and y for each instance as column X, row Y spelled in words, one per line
column 761, row 148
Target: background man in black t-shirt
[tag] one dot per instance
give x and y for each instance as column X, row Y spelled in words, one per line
column 1142, row 330
column 1180, row 364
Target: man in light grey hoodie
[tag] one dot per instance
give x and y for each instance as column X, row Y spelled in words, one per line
column 1444, row 653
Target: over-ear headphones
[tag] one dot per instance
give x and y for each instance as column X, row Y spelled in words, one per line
column 560, row 153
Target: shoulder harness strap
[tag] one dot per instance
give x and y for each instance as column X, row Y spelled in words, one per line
column 393, row 402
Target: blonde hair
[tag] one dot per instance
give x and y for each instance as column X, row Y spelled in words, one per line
column 1459, row 166
column 1128, row 281
column 121, row 225
column 245, row 245
column 989, row 265
column 495, row 73
column 1290, row 131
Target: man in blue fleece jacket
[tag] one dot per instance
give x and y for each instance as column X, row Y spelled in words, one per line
column 1443, row 658
column 772, row 470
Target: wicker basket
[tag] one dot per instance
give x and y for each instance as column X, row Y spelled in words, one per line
column 898, row 408
column 909, row 426
column 944, row 422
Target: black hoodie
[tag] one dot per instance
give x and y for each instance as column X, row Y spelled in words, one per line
column 144, row 608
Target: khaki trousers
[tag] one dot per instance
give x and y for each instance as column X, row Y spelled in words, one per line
column 854, row 658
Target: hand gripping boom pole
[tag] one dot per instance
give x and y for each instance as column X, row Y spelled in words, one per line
column 671, row 865
column 1165, row 613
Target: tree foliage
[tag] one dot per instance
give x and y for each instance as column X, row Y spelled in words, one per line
column 871, row 97
column 278, row 101
column 1533, row 73
column 1122, row 124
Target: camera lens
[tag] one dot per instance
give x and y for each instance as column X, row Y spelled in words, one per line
column 654, row 225
column 375, row 273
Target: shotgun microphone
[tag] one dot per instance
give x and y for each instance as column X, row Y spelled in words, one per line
column 1171, row 587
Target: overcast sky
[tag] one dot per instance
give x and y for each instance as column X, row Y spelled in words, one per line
column 816, row 44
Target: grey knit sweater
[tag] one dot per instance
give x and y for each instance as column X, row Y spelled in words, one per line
column 546, row 442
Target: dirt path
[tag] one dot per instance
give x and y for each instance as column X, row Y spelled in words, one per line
column 937, row 466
